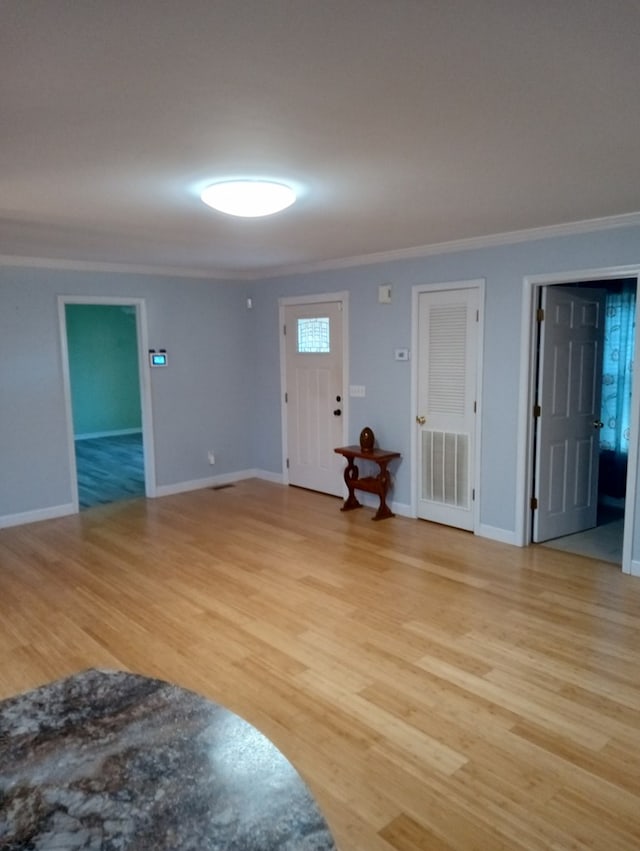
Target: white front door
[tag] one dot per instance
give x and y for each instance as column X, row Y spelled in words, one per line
column 568, row 424
column 447, row 382
column 314, row 395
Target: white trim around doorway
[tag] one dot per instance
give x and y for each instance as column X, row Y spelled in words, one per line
column 524, row 470
column 145, row 385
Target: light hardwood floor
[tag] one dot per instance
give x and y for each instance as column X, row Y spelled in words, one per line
column 436, row 690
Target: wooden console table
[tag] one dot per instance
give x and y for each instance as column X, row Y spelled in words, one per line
column 372, row 484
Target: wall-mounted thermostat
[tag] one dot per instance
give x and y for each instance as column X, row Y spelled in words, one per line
column 384, row 294
column 157, row 358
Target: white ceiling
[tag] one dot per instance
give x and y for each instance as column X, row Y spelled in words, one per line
column 403, row 122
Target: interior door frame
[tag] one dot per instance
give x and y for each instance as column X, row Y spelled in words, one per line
column 143, row 378
column 288, row 301
column 475, row 283
column 528, row 387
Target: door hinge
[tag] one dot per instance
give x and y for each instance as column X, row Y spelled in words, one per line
column 477, row 316
column 537, row 411
column 286, row 398
column 284, row 330
column 473, row 494
column 287, row 463
column 475, row 407
column 539, row 315
column 534, row 503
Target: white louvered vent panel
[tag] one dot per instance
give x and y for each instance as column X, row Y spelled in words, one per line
column 447, row 358
column 445, row 468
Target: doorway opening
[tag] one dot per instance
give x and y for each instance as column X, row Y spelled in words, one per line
column 600, row 532
column 107, row 396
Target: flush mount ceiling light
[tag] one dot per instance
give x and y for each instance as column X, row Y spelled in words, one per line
column 248, row 198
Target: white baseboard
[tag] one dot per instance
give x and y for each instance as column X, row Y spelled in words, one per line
column 163, row 490
column 402, row 509
column 115, row 433
column 199, row 484
column 37, row 515
column 503, row 536
column 635, row 568
column 372, row 501
column 213, row 481
column 276, row 478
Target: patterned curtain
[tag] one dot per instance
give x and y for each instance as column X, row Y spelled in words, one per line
column 618, row 369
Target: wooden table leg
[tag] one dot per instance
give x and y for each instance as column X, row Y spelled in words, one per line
column 350, row 476
column 383, row 480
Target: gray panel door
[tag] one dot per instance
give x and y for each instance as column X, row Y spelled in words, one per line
column 568, row 428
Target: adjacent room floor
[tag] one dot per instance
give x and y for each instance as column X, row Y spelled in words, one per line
column 109, row 469
column 603, row 542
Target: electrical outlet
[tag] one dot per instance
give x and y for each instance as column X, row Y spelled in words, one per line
column 211, row 457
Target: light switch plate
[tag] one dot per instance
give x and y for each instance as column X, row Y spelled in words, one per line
column 356, row 390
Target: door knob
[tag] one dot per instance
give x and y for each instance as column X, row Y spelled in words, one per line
column 421, row 420
column 598, row 424
column 337, row 412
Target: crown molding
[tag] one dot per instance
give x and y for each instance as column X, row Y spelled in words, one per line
column 467, row 244
column 115, row 268
column 417, row 252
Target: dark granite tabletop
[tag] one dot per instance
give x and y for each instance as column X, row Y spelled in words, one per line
column 111, row 761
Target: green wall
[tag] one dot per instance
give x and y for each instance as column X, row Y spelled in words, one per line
column 103, row 365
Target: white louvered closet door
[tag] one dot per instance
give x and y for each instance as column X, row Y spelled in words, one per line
column 447, row 379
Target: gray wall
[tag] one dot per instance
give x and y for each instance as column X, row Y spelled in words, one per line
column 201, row 401
column 224, row 374
column 376, row 330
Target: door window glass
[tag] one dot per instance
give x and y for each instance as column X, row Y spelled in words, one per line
column 314, row 335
